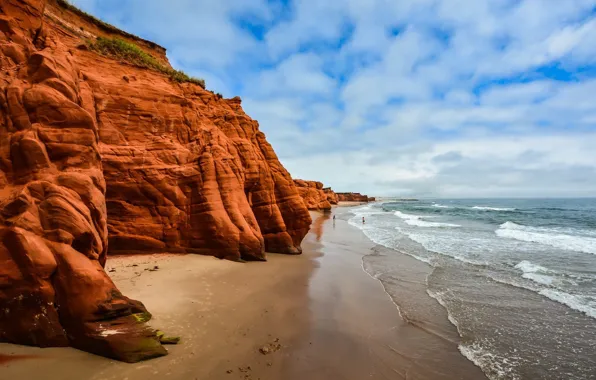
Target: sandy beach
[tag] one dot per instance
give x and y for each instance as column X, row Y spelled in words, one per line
column 349, row 204
column 314, row 316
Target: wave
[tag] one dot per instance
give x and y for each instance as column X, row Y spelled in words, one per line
column 438, row 296
column 415, row 220
column 557, row 209
column 493, row 366
column 575, row 302
column 440, row 205
column 546, row 236
column 383, row 237
column 578, row 303
column 486, row 208
column 536, row 273
column 529, row 267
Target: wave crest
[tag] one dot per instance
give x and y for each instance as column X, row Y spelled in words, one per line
column 547, row 236
column 535, row 272
column 440, row 205
column 486, row 208
column 415, row 220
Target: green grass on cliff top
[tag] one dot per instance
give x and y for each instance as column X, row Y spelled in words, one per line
column 67, row 5
column 127, row 51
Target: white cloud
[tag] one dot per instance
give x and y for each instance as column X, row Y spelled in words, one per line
column 299, row 74
column 411, row 97
column 518, row 93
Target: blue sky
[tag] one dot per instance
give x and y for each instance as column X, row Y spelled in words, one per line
column 427, row 98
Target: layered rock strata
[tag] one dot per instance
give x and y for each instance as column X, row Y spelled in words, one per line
column 98, row 156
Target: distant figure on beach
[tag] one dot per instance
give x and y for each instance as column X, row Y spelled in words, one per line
column 362, row 220
column 334, row 218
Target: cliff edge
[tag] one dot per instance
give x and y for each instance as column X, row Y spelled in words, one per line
column 354, row 197
column 315, row 196
column 104, row 152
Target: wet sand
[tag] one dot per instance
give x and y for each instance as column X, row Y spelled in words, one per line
column 350, row 203
column 319, row 316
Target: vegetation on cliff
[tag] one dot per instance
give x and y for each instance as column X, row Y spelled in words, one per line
column 109, row 28
column 91, row 162
column 127, row 51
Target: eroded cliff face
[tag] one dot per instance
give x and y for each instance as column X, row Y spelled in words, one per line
column 354, row 197
column 98, row 156
column 331, row 196
column 314, row 196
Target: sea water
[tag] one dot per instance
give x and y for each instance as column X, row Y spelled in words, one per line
column 517, row 277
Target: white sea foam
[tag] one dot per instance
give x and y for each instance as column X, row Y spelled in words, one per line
column 382, row 236
column 547, row 236
column 578, row 303
column 486, row 208
column 529, row 267
column 441, row 244
column 415, row 220
column 493, row 367
column 535, row 272
column 540, row 278
column 440, row 205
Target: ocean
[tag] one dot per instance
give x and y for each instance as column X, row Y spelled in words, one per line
column 517, row 277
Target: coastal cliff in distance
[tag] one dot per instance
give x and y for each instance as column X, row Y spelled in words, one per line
column 354, row 197
column 315, row 196
column 104, row 148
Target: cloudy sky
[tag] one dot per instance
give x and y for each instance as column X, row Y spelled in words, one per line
column 426, row 98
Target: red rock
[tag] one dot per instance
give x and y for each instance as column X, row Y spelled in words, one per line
column 314, row 196
column 354, row 197
column 92, row 164
column 331, row 196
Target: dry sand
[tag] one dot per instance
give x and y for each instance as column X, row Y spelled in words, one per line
column 316, row 316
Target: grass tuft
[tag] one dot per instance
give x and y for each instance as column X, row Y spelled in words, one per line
column 127, row 51
column 67, row 5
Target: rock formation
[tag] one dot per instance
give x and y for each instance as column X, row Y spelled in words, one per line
column 353, row 197
column 317, row 197
column 314, row 196
column 99, row 156
column 331, row 196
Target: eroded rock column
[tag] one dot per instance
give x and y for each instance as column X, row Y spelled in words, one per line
column 53, row 227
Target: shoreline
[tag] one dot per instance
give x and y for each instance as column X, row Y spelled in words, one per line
column 315, row 316
column 367, row 334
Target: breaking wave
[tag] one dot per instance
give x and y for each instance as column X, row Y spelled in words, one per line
column 547, row 236
column 415, row 220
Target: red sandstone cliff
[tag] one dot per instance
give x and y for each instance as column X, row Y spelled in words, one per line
column 100, row 156
column 331, row 196
column 317, row 197
column 313, row 194
column 354, row 197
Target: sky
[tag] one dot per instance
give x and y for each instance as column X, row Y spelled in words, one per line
column 410, row 98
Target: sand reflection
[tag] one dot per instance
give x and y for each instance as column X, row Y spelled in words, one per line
column 317, row 225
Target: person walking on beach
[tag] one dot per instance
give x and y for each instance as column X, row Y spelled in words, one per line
column 362, row 220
